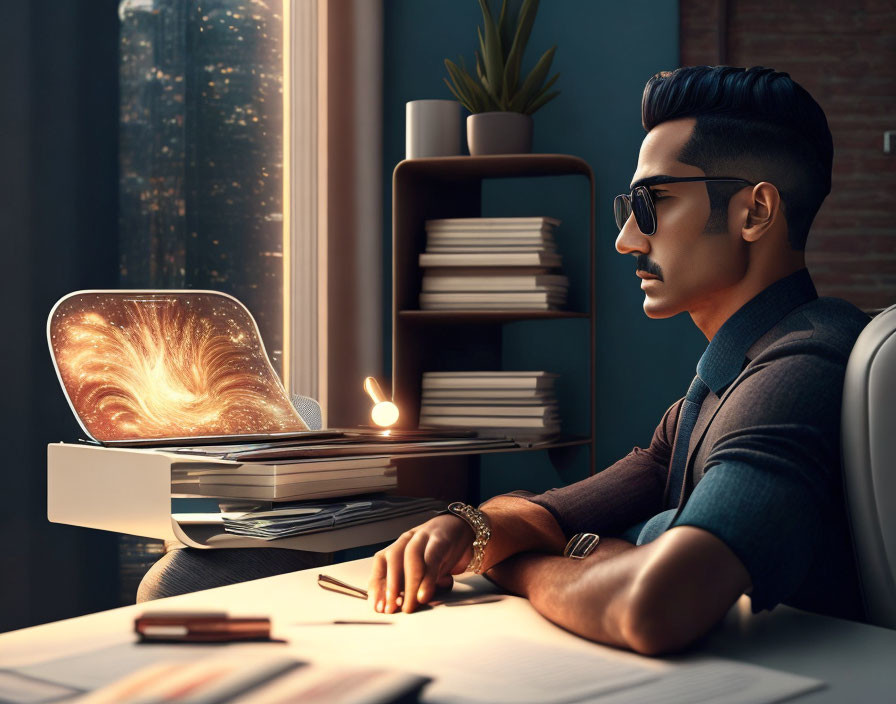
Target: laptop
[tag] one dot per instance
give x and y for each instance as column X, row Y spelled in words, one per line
column 162, row 368
column 187, row 370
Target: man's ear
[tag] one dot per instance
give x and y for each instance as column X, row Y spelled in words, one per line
column 763, row 208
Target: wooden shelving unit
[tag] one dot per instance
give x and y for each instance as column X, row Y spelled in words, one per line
column 449, row 187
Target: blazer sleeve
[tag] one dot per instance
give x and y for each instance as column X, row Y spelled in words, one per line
column 624, row 493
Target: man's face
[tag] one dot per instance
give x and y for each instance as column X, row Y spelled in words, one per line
column 682, row 267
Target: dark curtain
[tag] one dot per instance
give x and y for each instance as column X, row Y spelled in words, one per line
column 58, row 227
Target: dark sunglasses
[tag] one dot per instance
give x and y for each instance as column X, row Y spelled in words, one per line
column 640, row 201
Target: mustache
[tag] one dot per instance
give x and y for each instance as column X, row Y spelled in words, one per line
column 651, row 267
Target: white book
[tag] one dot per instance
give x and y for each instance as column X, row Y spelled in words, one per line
column 488, row 382
column 483, row 399
column 488, row 395
column 505, row 237
column 488, row 422
column 485, row 294
column 552, row 293
column 475, row 223
column 489, row 249
column 487, row 410
column 493, row 297
column 485, row 271
column 282, row 479
column 285, row 467
column 496, row 283
column 484, row 307
column 498, row 229
column 302, row 490
column 532, row 258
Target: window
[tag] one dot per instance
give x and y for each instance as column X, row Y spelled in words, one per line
column 201, row 151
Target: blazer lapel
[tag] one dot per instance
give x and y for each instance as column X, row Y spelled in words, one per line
column 699, row 433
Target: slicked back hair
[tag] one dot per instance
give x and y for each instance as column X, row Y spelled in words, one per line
column 754, row 123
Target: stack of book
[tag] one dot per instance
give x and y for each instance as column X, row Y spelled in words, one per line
column 282, row 520
column 492, row 264
column 307, row 479
column 516, row 404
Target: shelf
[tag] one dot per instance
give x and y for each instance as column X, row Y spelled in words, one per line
column 464, row 168
column 485, row 316
column 458, row 339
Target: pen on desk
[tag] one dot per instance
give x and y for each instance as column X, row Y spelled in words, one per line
column 336, row 585
column 344, row 622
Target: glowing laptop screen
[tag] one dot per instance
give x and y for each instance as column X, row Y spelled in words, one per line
column 140, row 365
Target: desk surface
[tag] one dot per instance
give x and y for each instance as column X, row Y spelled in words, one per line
column 854, row 660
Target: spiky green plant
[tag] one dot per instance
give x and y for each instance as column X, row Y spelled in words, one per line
column 498, row 63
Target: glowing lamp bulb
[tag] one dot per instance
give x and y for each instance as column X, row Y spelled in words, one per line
column 384, row 413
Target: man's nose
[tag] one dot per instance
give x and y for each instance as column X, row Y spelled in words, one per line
column 631, row 239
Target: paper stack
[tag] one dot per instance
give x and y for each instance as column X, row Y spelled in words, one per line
column 301, row 518
column 307, row 479
column 492, row 264
column 515, row 404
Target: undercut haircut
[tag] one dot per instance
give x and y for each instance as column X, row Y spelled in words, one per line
column 752, row 123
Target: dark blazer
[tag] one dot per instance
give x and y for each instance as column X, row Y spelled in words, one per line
column 763, row 466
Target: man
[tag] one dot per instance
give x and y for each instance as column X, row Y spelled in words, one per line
column 739, row 490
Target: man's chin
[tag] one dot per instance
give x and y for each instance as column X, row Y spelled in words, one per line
column 657, row 308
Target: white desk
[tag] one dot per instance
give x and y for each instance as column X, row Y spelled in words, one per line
column 856, row 661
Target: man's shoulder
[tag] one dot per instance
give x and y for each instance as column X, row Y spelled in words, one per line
column 825, row 327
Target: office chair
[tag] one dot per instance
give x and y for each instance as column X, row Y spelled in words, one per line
column 868, row 436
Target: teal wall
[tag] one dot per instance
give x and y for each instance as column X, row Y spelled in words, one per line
column 606, row 52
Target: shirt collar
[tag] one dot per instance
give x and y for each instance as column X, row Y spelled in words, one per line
column 724, row 358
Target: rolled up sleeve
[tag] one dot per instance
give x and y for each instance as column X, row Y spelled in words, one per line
column 769, row 482
column 622, row 494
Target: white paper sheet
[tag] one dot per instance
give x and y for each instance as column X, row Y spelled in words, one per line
column 524, row 672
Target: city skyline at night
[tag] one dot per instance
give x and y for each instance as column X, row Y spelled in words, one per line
column 201, row 151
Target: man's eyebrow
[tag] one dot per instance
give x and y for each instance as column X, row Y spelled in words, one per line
column 653, row 181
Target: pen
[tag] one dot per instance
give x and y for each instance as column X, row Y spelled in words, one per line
column 343, row 622
column 336, row 585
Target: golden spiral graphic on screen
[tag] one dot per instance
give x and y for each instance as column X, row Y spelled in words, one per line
column 152, row 367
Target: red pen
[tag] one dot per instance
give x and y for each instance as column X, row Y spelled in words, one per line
column 200, row 626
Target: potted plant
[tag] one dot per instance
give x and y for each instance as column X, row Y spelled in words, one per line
column 502, row 105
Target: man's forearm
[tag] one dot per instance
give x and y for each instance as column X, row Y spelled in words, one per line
column 654, row 598
column 587, row 597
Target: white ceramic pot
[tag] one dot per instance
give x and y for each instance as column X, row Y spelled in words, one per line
column 499, row 133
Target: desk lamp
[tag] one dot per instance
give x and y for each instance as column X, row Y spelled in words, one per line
column 384, row 413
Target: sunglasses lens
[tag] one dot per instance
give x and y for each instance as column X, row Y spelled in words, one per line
column 622, row 210
column 641, row 206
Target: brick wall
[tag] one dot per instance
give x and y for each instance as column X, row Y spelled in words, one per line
column 844, row 54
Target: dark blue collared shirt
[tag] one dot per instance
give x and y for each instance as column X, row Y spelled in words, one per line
column 727, row 353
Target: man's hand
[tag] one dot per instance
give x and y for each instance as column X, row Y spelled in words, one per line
column 421, row 560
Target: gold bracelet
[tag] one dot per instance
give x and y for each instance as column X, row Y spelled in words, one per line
column 478, row 521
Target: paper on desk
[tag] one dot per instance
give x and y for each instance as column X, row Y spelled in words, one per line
column 718, row 681
column 22, row 689
column 518, row 671
column 96, row 668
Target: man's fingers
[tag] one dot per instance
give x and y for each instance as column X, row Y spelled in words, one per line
column 395, row 571
column 376, row 585
column 435, row 571
column 415, row 569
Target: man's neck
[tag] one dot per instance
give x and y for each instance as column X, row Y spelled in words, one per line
column 723, row 304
